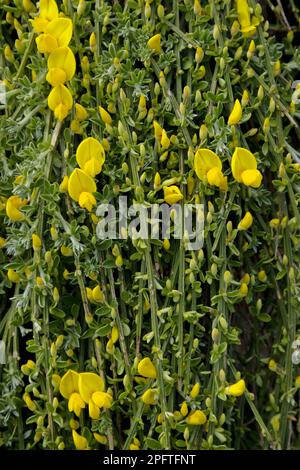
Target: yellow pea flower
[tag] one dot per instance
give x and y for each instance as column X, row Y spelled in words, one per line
column 272, row 365
column 13, row 276
column 154, row 43
column 196, row 418
column 80, row 182
column 61, row 66
column 29, row 403
column 166, row 244
column 105, row 116
column 36, row 242
column 184, row 409
column 2, row 242
column 147, row 369
column 90, row 156
column 149, row 397
column 68, row 388
column 172, row 194
column 165, row 141
column 244, row 168
column 80, row 442
column 63, row 187
column 208, row 168
column 243, row 290
column 157, row 180
column 114, row 334
column 58, row 33
column 13, row 204
column 89, row 384
column 48, row 9
column 246, row 221
column 195, row 390
column 297, row 381
column 244, row 18
column 87, row 200
column 100, row 438
column 60, row 101
column 39, row 24
column 158, row 130
column 236, row 114
column 102, row 399
column 80, row 112
column 215, row 177
column 262, row 276
column 237, row 389
column 66, row 251
column 97, row 294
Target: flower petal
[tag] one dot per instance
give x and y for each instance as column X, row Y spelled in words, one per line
column 89, row 149
column 80, row 182
column 242, row 159
column 69, row 383
column 61, row 29
column 252, row 178
column 89, row 383
column 204, row 161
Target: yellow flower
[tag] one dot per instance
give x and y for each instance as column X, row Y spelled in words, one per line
column 146, row 368
column 166, row 244
column 36, row 242
column 215, row 177
column 272, row 365
column 60, row 101
column 90, row 385
column 172, row 194
column 102, row 399
column 87, row 200
column 66, row 251
column 237, row 389
column 48, row 9
column 63, row 187
column 80, row 442
column 196, row 418
column 90, row 156
column 154, row 43
column 244, row 168
column 208, row 168
column 58, row 33
column 149, row 397
column 157, row 180
column 243, row 290
column 297, row 381
column 243, row 12
column 13, row 276
column 105, row 116
column 236, row 113
column 195, row 390
column 61, row 66
column 165, row 141
column 29, row 403
column 39, row 24
column 158, row 130
column 246, row 222
column 100, row 438
column 80, row 182
column 114, row 334
column 97, row 294
column 2, row 242
column 69, row 389
column 262, row 275
column 184, row 409
column 13, row 204
column 80, row 112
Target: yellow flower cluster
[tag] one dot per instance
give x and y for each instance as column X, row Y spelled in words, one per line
column 90, row 157
column 208, row 168
column 81, row 389
column 55, row 33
